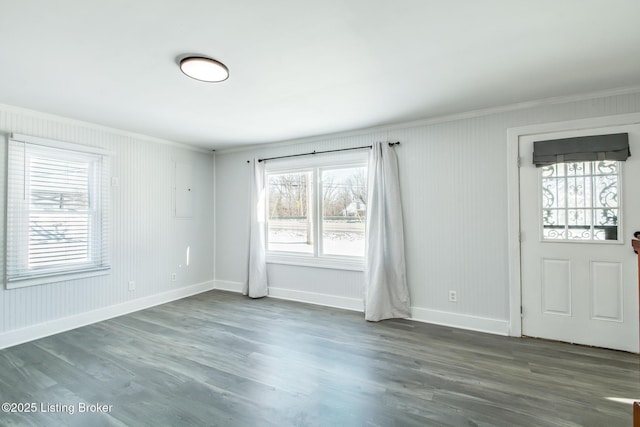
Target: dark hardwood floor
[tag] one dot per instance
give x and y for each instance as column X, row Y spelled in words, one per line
column 219, row 359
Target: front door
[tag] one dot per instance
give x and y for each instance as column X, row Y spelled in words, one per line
column 579, row 273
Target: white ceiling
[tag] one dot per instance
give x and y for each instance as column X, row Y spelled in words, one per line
column 301, row 68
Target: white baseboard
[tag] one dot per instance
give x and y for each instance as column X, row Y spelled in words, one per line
column 225, row 285
column 41, row 330
column 299, row 296
column 444, row 318
column 345, row 303
column 461, row 321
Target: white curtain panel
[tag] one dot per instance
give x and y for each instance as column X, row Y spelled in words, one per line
column 256, row 286
column 386, row 290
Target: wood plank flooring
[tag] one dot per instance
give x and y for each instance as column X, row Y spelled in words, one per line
column 220, row 359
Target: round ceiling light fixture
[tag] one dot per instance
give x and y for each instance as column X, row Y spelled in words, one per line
column 204, row 69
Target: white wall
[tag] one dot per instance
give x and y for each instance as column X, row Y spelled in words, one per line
column 148, row 243
column 454, row 191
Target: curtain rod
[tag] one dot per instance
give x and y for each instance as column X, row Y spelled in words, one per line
column 391, row 144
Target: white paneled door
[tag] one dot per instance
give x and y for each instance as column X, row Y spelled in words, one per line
column 579, row 272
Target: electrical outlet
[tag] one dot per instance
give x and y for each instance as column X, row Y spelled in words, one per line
column 453, row 296
column 132, row 285
column 174, row 277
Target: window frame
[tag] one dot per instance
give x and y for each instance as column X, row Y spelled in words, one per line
column 18, row 212
column 315, row 164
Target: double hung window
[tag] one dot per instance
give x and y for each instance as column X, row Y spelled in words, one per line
column 57, row 206
column 317, row 211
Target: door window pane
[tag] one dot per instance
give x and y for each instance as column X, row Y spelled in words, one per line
column 580, row 201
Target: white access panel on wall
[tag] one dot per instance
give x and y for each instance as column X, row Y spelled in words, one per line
column 183, row 190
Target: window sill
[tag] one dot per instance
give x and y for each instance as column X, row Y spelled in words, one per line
column 323, row 262
column 22, row 283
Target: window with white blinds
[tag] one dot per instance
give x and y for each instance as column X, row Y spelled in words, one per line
column 57, row 213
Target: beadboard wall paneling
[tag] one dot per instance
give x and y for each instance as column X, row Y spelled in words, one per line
column 232, row 200
column 454, row 191
column 147, row 242
column 232, row 217
column 344, row 283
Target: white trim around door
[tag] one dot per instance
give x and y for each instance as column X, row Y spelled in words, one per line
column 513, row 192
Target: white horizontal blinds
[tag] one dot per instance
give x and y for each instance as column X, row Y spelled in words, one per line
column 57, row 212
column 60, row 215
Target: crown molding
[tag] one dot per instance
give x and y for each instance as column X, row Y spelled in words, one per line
column 97, row 127
column 566, row 99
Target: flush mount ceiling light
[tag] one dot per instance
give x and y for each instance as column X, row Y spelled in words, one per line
column 204, row 69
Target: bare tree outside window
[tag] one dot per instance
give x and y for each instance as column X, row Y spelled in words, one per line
column 344, row 211
column 341, row 203
column 290, row 225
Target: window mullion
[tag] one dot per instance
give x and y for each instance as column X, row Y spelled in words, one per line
column 339, row 201
column 318, row 247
